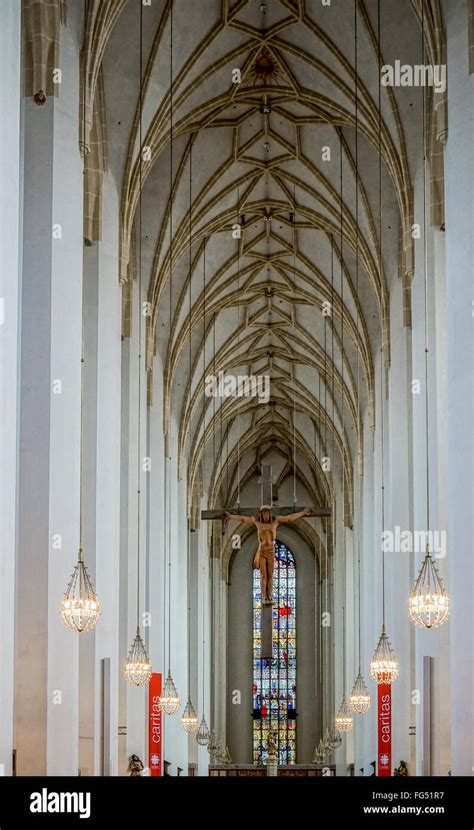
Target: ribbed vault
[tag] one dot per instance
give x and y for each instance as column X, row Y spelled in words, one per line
column 249, row 220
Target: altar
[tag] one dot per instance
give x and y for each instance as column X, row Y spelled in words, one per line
column 286, row 771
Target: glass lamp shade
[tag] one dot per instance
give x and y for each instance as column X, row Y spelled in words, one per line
column 80, row 608
column 169, row 700
column 359, row 698
column 333, row 738
column 344, row 721
column 428, row 605
column 189, row 720
column 384, row 665
column 202, row 735
column 137, row 669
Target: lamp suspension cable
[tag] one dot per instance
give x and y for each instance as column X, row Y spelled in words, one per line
column 356, row 62
column 139, row 313
column 384, row 665
column 170, row 700
column 137, row 669
column 80, row 607
column 238, row 340
column 295, row 498
column 428, row 604
column 344, row 719
column 202, row 735
column 359, row 699
column 189, row 720
column 382, row 360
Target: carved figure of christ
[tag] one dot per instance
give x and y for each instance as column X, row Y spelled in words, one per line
column 266, row 525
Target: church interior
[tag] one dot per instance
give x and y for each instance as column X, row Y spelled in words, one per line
column 237, row 274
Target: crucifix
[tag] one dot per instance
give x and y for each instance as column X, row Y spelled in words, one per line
column 266, row 521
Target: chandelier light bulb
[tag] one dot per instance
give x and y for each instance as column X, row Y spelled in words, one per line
column 80, row 608
column 189, row 720
column 344, row 721
column 428, row 604
column 359, row 698
column 137, row 669
column 169, row 700
column 202, row 735
column 384, row 665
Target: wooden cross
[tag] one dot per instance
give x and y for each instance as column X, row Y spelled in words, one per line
column 266, row 482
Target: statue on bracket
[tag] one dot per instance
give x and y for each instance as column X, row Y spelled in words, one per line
column 266, row 525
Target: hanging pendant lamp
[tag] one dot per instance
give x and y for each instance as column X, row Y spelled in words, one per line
column 80, row 608
column 202, row 735
column 384, row 665
column 428, row 604
column 169, row 700
column 137, row 668
column 359, row 698
column 344, row 721
column 189, row 720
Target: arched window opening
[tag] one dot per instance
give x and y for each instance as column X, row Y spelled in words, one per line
column 274, row 681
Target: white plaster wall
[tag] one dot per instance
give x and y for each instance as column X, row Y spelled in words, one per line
column 459, row 167
column 10, row 287
column 46, row 683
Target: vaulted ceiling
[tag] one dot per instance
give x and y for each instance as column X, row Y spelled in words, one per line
column 269, row 220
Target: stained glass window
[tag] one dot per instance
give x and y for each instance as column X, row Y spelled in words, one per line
column 274, row 681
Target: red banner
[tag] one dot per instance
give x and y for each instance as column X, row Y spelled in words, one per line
column 384, row 715
column 154, row 724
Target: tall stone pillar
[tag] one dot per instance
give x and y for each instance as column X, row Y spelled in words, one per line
column 459, row 174
column 49, row 449
column 102, row 376
column 10, row 51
